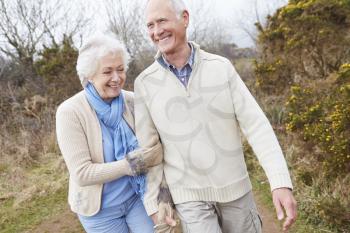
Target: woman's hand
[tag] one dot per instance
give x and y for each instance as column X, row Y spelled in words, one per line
column 141, row 159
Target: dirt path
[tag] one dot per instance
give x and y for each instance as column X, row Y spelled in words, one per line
column 67, row 222
column 270, row 224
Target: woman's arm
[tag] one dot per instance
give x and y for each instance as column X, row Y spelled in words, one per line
column 74, row 147
column 140, row 160
column 145, row 157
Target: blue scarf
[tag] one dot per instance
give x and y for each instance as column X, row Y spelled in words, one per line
column 124, row 140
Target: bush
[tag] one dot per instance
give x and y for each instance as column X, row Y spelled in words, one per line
column 319, row 114
column 298, row 44
column 322, row 116
column 304, row 57
column 56, row 65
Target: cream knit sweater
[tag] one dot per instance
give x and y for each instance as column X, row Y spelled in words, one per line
column 79, row 137
column 199, row 127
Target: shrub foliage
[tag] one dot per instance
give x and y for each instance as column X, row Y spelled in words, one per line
column 304, row 58
column 56, row 66
column 305, row 40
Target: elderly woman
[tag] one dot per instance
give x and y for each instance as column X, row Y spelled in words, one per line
column 95, row 133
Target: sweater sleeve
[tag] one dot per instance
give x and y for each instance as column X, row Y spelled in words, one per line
column 147, row 136
column 74, row 147
column 258, row 131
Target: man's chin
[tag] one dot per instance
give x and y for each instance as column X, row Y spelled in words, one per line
column 165, row 50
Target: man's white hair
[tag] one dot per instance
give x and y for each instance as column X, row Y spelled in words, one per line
column 179, row 7
column 93, row 50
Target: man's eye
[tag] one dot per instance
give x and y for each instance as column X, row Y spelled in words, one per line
column 107, row 72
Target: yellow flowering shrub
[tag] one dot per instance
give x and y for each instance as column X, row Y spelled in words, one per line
column 310, row 38
column 304, row 59
column 322, row 116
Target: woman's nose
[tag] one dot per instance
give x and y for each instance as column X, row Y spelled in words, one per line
column 115, row 76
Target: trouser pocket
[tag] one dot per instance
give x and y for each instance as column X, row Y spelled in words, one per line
column 256, row 221
column 198, row 217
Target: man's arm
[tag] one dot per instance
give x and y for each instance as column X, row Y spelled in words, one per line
column 147, row 136
column 260, row 135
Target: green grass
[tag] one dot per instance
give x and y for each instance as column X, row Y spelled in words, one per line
column 31, row 213
column 264, row 194
column 3, row 168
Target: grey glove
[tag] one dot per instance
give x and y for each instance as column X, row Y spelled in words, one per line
column 141, row 159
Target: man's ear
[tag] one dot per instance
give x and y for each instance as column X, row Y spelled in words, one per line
column 186, row 17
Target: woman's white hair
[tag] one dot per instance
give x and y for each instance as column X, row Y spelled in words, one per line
column 93, row 50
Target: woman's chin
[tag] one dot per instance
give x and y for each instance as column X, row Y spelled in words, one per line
column 113, row 94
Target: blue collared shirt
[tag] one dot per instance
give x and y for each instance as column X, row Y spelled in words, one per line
column 182, row 74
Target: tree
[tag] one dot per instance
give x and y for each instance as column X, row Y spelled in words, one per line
column 56, row 65
column 126, row 20
column 3, row 65
column 27, row 25
column 255, row 16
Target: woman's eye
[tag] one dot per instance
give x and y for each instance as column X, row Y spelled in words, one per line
column 107, row 72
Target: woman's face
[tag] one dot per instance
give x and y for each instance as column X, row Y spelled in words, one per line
column 110, row 76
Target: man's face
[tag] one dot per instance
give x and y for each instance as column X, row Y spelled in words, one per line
column 166, row 31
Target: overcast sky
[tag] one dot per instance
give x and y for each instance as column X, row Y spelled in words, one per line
column 238, row 12
column 234, row 14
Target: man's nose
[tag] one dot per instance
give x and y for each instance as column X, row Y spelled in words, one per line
column 158, row 30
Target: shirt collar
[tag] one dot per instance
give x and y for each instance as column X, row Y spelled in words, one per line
column 161, row 59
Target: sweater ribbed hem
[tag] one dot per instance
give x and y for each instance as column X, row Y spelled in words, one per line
column 281, row 180
column 217, row 194
column 151, row 206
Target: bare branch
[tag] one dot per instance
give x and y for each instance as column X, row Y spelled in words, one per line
column 28, row 25
column 125, row 19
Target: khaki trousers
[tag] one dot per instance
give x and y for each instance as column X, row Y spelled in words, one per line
column 238, row 216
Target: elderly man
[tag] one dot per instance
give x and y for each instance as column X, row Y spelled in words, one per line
column 196, row 104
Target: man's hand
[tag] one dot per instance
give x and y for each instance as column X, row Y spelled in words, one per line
column 168, row 220
column 284, row 201
column 154, row 218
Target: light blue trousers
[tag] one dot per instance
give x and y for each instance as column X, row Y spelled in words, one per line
column 128, row 217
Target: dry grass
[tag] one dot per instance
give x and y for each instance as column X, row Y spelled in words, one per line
column 31, row 168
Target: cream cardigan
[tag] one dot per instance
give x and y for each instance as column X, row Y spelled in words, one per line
column 79, row 137
column 199, row 127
